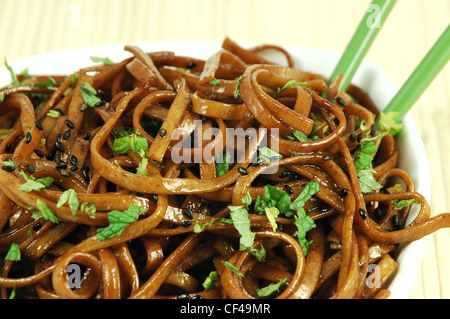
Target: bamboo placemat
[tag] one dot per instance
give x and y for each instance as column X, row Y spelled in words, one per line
column 29, row 27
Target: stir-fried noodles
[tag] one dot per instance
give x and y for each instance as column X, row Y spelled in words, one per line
column 167, row 176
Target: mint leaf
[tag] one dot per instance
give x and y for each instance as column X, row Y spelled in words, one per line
column 400, row 204
column 222, row 163
column 33, row 184
column 13, row 253
column 43, row 211
column 105, row 61
column 291, row 83
column 367, row 180
column 89, row 94
column 210, row 281
column 118, row 221
column 270, row 289
column 241, row 222
column 233, row 268
column 69, row 196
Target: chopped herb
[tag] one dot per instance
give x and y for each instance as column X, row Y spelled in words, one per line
column 270, row 289
column 199, row 228
column 222, row 163
column 400, row 204
column 214, row 82
column 210, row 281
column 367, row 180
column 42, row 211
column 13, row 253
column 233, row 268
column 247, row 199
column 33, row 184
column 105, row 61
column 2, row 97
column 53, row 113
column 363, row 163
column 69, row 196
column 273, row 197
column 272, row 214
column 89, row 94
column 89, row 208
column 129, row 142
column 387, row 123
column 142, row 167
column 303, row 222
column 267, row 154
column 118, row 221
column 241, row 222
column 237, row 95
column 291, row 83
column 14, row 80
column 47, row 84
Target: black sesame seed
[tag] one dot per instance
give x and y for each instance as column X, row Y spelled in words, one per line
column 289, row 189
column 186, row 223
column 100, row 103
column 31, row 169
column 38, row 125
column 343, row 193
column 183, row 296
column 191, row 65
column 37, row 226
column 49, row 156
column 284, row 174
column 61, row 112
column 8, row 168
column 396, row 223
column 373, row 130
column 259, row 162
column 353, row 137
column 162, row 132
column 61, row 166
column 332, row 100
column 326, row 158
column 69, row 124
column 39, row 153
column 59, row 146
column 296, row 177
column 340, row 101
column 363, row 213
column 64, row 173
column 378, row 213
column 74, row 168
column 66, row 135
column 155, row 198
column 57, row 158
column 85, row 170
column 73, row 160
column 197, row 297
column 188, row 213
column 59, row 137
column 86, row 136
column 8, row 147
column 28, row 138
column 360, row 137
column 242, row 171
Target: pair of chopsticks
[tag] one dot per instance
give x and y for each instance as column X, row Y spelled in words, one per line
column 433, row 62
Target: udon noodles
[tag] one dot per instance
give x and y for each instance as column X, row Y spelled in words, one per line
column 169, row 176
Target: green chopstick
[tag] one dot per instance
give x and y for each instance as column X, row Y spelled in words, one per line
column 433, row 62
column 361, row 41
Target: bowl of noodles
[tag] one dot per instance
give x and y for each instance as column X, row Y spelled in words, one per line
column 95, row 188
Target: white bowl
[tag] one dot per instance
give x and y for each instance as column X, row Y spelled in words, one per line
column 369, row 77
